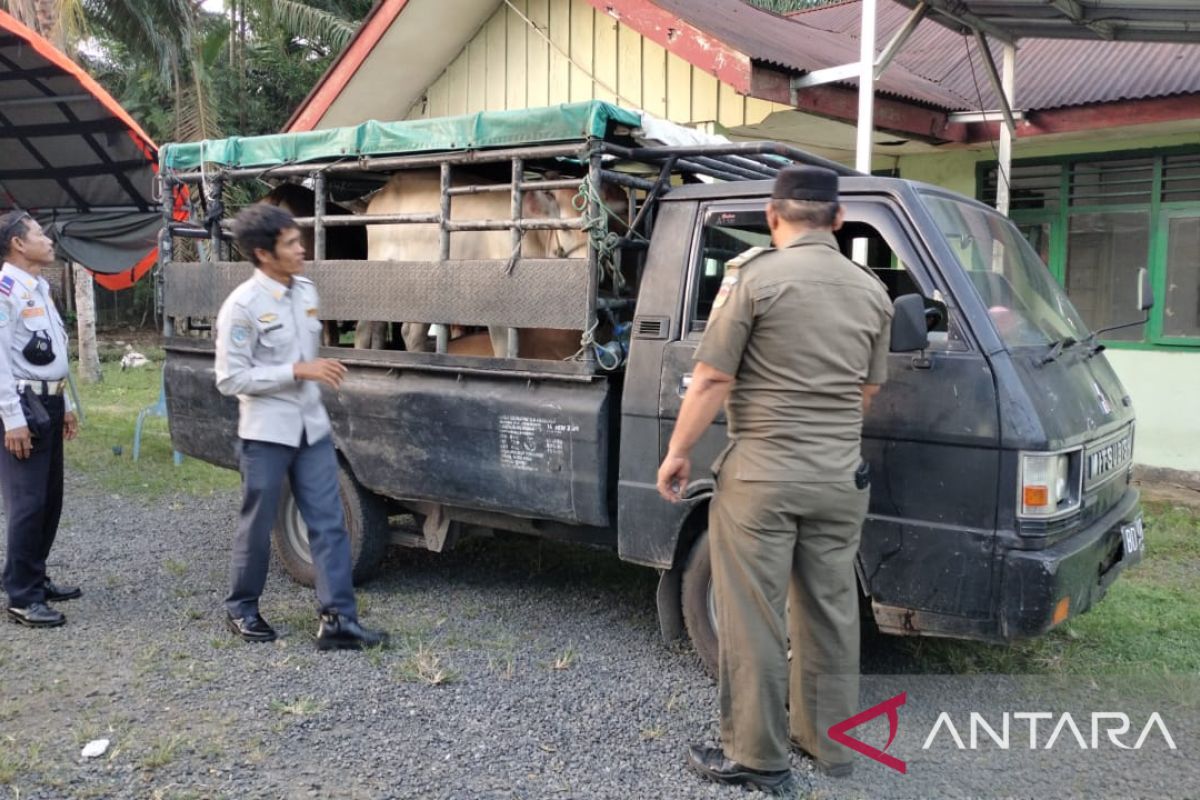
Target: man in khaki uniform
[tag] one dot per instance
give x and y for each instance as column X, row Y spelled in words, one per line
column 797, row 343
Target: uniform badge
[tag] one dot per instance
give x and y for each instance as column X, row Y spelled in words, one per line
column 268, row 317
column 726, row 287
column 312, row 312
column 745, row 256
column 239, row 334
column 28, row 313
column 6, row 285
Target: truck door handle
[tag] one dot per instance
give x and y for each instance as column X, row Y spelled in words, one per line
column 684, row 383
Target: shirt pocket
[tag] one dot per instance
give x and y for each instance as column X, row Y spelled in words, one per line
column 40, row 322
column 275, row 339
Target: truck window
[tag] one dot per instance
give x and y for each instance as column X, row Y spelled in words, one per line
column 727, row 233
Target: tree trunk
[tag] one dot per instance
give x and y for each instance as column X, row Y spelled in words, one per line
column 85, row 310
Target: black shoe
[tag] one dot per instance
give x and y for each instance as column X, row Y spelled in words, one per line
column 711, row 763
column 841, row 770
column 252, row 628
column 342, row 633
column 36, row 615
column 56, row 594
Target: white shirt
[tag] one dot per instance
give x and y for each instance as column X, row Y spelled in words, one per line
column 262, row 330
column 25, row 310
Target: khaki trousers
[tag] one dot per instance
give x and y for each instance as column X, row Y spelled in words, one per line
column 771, row 542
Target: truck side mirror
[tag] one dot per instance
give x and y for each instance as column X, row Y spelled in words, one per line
column 1145, row 290
column 910, row 331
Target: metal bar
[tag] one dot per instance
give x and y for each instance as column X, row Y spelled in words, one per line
column 628, row 181
column 739, row 148
column 103, row 125
column 757, row 167
column 664, row 179
column 166, row 252
column 1004, row 154
column 687, row 165
column 865, row 134
column 951, row 10
column 820, row 77
column 991, row 115
column 989, row 64
column 20, row 102
column 900, row 38
column 594, row 212
column 565, row 183
column 549, row 224
column 730, row 167
column 318, row 252
column 218, row 189
column 513, row 344
column 444, row 213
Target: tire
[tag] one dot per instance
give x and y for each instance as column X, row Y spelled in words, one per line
column 699, row 603
column 366, row 521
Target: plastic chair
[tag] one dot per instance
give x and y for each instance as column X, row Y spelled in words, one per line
column 159, row 409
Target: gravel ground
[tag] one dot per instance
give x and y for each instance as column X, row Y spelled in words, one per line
column 520, row 669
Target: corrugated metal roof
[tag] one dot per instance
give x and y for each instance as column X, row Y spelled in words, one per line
column 791, row 43
column 1050, row 73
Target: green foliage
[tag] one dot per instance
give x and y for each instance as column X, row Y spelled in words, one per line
column 788, row 6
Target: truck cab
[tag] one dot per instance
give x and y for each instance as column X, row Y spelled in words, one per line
column 1001, row 454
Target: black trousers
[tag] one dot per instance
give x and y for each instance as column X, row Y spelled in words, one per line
column 33, row 494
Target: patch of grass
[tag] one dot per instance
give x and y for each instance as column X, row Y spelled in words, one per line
column 110, row 412
column 565, row 659
column 654, row 732
column 1148, row 623
column 176, row 568
column 423, row 665
column 163, row 752
column 300, row 707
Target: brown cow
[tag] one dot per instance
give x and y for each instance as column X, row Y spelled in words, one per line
column 418, row 191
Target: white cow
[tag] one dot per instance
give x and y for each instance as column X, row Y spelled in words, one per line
column 419, row 191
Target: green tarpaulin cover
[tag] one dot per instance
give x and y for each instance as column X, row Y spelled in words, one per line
column 566, row 122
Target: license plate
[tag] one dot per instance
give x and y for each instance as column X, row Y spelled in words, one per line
column 1107, row 459
column 1134, row 536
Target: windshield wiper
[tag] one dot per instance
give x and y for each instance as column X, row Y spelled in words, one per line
column 1057, row 349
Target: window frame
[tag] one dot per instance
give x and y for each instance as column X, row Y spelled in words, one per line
column 1160, row 214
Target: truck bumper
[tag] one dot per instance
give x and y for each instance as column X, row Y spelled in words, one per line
column 1077, row 570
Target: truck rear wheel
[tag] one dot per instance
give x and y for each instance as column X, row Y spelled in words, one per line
column 699, row 603
column 366, row 521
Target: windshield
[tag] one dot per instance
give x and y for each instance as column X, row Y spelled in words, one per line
column 1025, row 303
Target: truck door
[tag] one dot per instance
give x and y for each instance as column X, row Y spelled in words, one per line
column 931, row 436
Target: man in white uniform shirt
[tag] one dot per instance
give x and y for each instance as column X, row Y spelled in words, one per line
column 267, row 334
column 37, row 415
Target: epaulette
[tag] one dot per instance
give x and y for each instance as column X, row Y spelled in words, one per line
column 745, row 257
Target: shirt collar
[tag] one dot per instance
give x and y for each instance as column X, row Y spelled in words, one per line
column 28, row 282
column 272, row 286
column 814, row 237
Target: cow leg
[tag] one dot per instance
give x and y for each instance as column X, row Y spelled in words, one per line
column 416, row 337
column 370, row 335
column 500, row 336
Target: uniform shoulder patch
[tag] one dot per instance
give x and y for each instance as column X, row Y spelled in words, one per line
column 727, row 284
column 239, row 334
column 745, row 257
column 3, row 315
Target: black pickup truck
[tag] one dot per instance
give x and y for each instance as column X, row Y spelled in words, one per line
column 1000, row 447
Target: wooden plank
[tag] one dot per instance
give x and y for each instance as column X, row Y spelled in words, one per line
column 606, row 58
column 560, row 36
column 477, row 73
column 516, row 73
column 731, row 106
column 497, row 59
column 582, row 16
column 456, row 92
column 538, row 56
column 704, row 96
column 679, row 90
column 629, row 71
column 654, row 78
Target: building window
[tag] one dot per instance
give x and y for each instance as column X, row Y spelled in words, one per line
column 1096, row 220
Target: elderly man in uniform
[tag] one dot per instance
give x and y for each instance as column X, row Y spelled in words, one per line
column 37, row 416
column 267, row 335
column 797, row 343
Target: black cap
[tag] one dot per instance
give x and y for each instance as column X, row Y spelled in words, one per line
column 806, row 183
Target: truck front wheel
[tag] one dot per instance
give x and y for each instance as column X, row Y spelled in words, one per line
column 699, row 603
column 366, row 521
